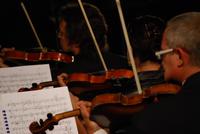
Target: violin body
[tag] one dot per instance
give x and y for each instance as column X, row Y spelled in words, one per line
column 38, row 56
column 87, row 86
column 114, row 105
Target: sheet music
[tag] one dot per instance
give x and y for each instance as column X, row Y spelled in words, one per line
column 1, row 120
column 19, row 110
column 14, row 78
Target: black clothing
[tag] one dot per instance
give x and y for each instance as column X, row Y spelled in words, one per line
column 147, row 79
column 174, row 114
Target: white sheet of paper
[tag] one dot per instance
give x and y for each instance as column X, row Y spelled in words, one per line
column 21, row 109
column 14, row 78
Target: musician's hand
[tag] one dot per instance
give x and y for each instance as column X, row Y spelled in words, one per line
column 3, row 50
column 2, row 63
column 61, row 79
column 75, row 105
column 2, row 53
column 90, row 125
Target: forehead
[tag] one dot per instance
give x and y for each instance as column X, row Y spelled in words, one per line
column 62, row 25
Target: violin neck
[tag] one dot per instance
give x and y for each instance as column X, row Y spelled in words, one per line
column 48, row 83
column 68, row 114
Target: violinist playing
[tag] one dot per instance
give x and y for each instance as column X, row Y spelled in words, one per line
column 74, row 36
column 181, row 62
column 145, row 35
column 146, row 32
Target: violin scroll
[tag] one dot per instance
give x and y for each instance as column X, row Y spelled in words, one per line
column 51, row 120
column 42, row 126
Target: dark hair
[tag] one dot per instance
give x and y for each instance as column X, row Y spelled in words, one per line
column 146, row 34
column 77, row 29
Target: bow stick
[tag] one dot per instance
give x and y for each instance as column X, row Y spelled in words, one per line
column 130, row 53
column 32, row 27
column 92, row 34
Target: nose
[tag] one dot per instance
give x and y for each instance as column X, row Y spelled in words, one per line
column 59, row 35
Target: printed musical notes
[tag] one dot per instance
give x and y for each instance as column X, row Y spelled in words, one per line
column 14, row 78
column 20, row 109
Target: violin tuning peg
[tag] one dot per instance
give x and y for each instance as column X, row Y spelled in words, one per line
column 49, row 115
column 51, row 127
column 34, row 85
column 41, row 122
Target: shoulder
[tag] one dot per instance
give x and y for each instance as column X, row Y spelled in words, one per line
column 115, row 61
column 171, row 115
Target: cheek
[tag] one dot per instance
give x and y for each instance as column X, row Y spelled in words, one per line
column 64, row 44
column 168, row 67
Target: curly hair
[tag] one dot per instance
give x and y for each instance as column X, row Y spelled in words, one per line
column 77, row 30
column 146, row 34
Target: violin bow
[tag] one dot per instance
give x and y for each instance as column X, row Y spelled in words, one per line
column 92, row 34
column 32, row 27
column 129, row 48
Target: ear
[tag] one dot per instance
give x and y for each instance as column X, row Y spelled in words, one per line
column 183, row 57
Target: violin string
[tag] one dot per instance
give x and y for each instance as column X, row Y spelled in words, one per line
column 130, row 54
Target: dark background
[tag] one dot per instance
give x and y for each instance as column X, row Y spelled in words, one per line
column 16, row 31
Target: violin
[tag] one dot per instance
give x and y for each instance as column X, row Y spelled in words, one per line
column 38, row 56
column 115, row 104
column 118, row 104
column 99, row 78
column 86, row 82
column 87, row 86
column 83, row 91
column 35, row 128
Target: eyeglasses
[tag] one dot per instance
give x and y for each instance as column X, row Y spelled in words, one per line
column 163, row 52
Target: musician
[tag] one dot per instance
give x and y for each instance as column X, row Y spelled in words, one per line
column 74, row 36
column 146, row 33
column 181, row 61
